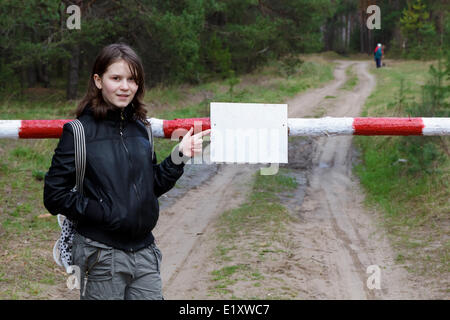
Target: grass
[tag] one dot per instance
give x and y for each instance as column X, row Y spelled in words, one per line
column 415, row 205
column 352, row 79
column 262, row 210
column 262, row 218
column 27, row 234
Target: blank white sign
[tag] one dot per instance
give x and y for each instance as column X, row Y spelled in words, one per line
column 249, row 133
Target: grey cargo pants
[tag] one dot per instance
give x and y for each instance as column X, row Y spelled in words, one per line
column 112, row 274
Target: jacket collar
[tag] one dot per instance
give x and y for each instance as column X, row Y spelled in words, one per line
column 115, row 114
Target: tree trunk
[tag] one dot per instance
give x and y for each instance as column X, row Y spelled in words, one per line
column 441, row 26
column 344, row 34
column 60, row 68
column 361, row 34
column 23, row 77
column 72, row 82
column 370, row 42
column 43, row 75
column 31, row 76
column 82, row 64
column 349, row 28
column 331, row 38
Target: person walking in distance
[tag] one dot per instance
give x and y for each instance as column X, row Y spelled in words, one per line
column 113, row 244
column 378, row 53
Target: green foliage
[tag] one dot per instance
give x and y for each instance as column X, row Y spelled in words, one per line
column 422, row 156
column 247, row 38
column 232, row 81
column 196, row 40
column 409, row 28
column 217, row 57
column 178, row 41
column 38, row 174
column 415, row 18
column 8, row 80
column 422, row 152
column 435, row 93
column 34, row 38
column 419, row 30
column 290, row 64
column 406, row 176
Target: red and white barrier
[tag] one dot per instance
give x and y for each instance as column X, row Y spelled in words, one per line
column 369, row 126
column 41, row 129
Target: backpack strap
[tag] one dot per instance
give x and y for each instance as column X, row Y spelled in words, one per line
column 150, row 137
column 80, row 153
column 62, row 250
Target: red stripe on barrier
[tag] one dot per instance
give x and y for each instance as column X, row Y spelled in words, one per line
column 388, row 126
column 37, row 129
column 169, row 126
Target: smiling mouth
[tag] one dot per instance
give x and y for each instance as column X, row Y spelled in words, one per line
column 123, row 96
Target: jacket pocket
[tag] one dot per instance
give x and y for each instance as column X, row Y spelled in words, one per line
column 110, row 222
column 103, row 198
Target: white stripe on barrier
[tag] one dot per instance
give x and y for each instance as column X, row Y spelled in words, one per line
column 157, row 127
column 10, row 128
column 436, row 126
column 320, row 126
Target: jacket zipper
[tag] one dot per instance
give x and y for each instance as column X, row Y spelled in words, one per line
column 126, row 150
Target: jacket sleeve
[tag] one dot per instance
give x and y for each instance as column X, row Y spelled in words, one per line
column 167, row 172
column 60, row 180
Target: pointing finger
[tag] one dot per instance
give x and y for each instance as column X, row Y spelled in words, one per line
column 189, row 133
column 203, row 133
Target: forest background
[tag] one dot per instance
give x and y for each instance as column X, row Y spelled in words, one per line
column 193, row 41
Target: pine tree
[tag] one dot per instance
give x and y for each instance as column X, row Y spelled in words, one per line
column 415, row 23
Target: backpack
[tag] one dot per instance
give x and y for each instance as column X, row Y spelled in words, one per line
column 62, row 249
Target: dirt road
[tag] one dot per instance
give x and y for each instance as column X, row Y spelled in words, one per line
column 334, row 219
column 337, row 239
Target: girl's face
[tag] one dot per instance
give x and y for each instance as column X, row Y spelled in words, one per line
column 117, row 84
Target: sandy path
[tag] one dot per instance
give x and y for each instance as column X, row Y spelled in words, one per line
column 181, row 227
column 337, row 238
column 345, row 238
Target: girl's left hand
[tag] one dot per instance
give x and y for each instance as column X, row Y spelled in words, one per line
column 191, row 145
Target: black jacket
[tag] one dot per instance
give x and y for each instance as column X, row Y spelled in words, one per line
column 122, row 184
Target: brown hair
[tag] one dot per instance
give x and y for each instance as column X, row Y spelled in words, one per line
column 107, row 56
